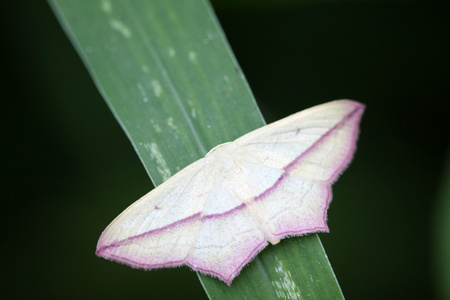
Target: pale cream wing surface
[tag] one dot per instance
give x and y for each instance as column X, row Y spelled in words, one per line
column 216, row 214
column 195, row 218
column 159, row 229
column 290, row 165
column 229, row 233
column 333, row 126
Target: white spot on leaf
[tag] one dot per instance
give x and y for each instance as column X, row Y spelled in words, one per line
column 171, row 124
column 143, row 92
column 106, row 6
column 171, row 52
column 144, row 68
column 285, row 288
column 193, row 111
column 157, row 89
column 156, row 126
column 192, row 57
column 120, row 27
column 156, row 155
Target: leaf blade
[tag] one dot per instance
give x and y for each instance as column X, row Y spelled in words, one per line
column 168, row 75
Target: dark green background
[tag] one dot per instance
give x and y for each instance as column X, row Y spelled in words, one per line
column 63, row 153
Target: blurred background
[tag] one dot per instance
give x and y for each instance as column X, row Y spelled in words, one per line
column 62, row 149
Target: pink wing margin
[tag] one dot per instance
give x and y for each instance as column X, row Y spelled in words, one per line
column 307, row 217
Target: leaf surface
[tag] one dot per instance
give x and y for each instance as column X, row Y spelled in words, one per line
column 171, row 80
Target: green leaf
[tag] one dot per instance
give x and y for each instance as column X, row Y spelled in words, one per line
column 171, row 80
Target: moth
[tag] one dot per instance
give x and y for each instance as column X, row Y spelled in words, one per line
column 218, row 213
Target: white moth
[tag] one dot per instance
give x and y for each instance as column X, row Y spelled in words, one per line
column 216, row 214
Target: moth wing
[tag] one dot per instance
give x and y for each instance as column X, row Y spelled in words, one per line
column 159, row 229
column 308, row 151
column 193, row 219
column 316, row 144
column 216, row 218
